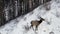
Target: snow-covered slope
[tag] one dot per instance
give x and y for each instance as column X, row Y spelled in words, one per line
column 21, row 25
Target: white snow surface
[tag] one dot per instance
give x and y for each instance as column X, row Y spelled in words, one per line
column 51, row 26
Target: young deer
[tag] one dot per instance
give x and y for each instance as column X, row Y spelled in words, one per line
column 36, row 23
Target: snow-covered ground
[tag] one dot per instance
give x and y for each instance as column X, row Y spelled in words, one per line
column 21, row 25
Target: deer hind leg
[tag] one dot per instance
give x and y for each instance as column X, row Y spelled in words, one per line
column 31, row 26
column 35, row 28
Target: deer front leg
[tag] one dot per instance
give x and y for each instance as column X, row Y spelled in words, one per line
column 36, row 27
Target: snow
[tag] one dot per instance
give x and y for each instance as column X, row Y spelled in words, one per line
column 21, row 24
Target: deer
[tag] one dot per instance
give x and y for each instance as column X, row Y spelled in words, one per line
column 36, row 23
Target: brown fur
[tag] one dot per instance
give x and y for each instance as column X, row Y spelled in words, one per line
column 36, row 23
